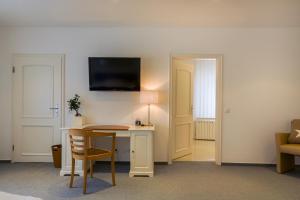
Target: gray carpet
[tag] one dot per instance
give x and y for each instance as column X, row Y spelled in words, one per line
column 182, row 180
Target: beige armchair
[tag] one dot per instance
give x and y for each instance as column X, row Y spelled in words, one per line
column 286, row 152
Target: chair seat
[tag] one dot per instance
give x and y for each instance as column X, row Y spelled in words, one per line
column 93, row 154
column 290, row 149
column 97, row 153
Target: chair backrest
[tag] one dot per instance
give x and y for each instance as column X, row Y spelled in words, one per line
column 81, row 140
column 97, row 133
column 78, row 142
column 296, row 124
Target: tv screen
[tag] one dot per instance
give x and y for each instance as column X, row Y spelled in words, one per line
column 114, row 74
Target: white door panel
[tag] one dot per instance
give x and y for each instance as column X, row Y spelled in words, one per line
column 182, row 107
column 37, row 80
column 39, row 133
column 183, row 92
column 182, row 137
column 37, row 88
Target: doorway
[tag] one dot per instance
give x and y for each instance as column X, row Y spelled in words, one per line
column 195, row 108
column 37, row 106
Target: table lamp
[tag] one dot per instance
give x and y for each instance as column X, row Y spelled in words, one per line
column 149, row 97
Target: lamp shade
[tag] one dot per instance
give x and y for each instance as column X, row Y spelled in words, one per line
column 149, row 97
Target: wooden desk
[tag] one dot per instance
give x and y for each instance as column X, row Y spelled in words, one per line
column 141, row 148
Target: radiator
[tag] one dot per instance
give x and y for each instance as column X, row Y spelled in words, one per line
column 205, row 129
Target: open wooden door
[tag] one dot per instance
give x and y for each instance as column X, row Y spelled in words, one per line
column 182, row 107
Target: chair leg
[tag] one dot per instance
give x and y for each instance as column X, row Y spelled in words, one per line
column 285, row 162
column 84, row 175
column 113, row 171
column 91, row 168
column 72, row 173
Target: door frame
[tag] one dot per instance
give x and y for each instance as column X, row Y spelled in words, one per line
column 219, row 101
column 62, row 103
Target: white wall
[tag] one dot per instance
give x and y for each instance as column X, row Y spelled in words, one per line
column 261, row 79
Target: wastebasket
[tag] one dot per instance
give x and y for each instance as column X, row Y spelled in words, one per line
column 56, row 153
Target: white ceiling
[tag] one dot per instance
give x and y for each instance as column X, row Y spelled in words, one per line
column 188, row 13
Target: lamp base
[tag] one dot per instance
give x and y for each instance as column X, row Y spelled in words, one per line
column 149, row 123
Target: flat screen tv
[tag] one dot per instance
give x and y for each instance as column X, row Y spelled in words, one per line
column 114, row 74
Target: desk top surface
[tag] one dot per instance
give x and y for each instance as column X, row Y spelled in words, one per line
column 113, row 127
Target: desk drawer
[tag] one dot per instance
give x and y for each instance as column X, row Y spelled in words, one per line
column 118, row 133
column 123, row 133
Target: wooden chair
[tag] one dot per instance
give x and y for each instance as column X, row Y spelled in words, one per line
column 286, row 152
column 81, row 149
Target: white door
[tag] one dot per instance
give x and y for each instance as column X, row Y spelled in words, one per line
column 182, row 94
column 37, row 100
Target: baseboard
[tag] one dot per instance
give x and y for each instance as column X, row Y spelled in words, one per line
column 247, row 164
column 161, row 163
column 5, row 161
column 253, row 164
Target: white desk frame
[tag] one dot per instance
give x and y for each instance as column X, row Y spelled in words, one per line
column 141, row 151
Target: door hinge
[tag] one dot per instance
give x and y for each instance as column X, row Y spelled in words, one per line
column 13, row 147
column 13, row 69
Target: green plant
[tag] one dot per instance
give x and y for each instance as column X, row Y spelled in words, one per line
column 74, row 104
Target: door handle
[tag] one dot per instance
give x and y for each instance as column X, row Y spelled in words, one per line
column 55, row 108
